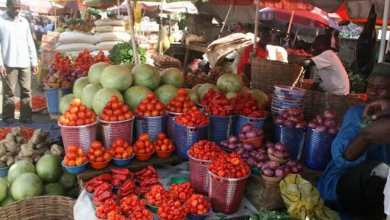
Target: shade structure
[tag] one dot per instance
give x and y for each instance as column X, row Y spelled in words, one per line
column 174, row 7
column 44, row 7
column 75, row 5
column 296, row 5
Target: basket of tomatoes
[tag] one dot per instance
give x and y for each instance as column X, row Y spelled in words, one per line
column 143, row 148
column 172, row 209
column 190, row 127
column 75, row 161
column 200, row 155
column 121, row 152
column 78, row 126
column 228, row 176
column 98, row 156
column 163, row 146
column 221, row 112
column 150, row 117
column 116, row 121
column 176, row 106
column 198, row 206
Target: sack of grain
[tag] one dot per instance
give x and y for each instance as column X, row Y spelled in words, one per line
column 75, row 47
column 103, row 29
column 107, row 45
column 109, row 22
column 113, row 36
column 76, row 37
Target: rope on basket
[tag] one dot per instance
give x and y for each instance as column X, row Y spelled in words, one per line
column 297, row 79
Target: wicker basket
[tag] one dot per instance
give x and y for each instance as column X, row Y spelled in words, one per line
column 266, row 74
column 39, row 208
column 295, row 59
column 315, row 103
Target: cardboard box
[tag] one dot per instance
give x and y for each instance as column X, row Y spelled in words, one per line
column 46, row 46
column 47, row 57
column 50, row 39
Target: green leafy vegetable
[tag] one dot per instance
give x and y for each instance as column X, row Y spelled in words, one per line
column 271, row 215
column 123, row 53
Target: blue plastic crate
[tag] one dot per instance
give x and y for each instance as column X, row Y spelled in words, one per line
column 150, row 125
column 185, row 137
column 241, row 120
column 221, row 127
column 53, row 97
column 293, row 138
column 318, row 144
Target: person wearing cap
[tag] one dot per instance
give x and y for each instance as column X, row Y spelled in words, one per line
column 329, row 73
column 356, row 176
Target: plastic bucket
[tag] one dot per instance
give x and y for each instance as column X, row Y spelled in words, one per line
column 241, row 120
column 317, row 153
column 4, row 171
column 82, row 136
column 221, row 127
column 185, row 137
column 293, row 138
column 53, row 97
column 226, row 193
column 171, row 124
column 199, row 176
column 112, row 130
column 150, row 125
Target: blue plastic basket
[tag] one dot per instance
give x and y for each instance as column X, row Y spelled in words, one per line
column 186, row 136
column 122, row 162
column 75, row 169
column 171, row 124
column 221, row 127
column 241, row 120
column 317, row 153
column 292, row 138
column 4, row 171
column 53, row 97
column 150, row 125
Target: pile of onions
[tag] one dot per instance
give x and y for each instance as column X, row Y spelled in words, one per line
column 232, row 143
column 248, row 131
column 325, row 122
column 278, row 150
column 274, row 169
column 245, row 150
column 291, row 117
column 258, row 158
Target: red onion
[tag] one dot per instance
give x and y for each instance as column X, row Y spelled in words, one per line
column 248, row 146
column 268, row 144
column 289, row 124
column 320, row 119
column 224, row 143
column 240, row 151
column 280, row 147
column 241, row 135
column 271, row 150
column 294, row 170
column 313, row 125
column 273, row 164
column 330, row 123
column 251, row 162
column 245, row 154
column 268, row 172
column 294, row 111
column 293, row 119
column 287, row 169
column 261, row 158
column 299, row 166
column 301, row 117
column 280, row 120
column 279, row 154
column 231, row 146
column 332, row 130
column 286, row 154
column 264, row 166
column 285, row 114
column 321, row 128
column 261, row 151
column 233, row 139
column 290, row 163
column 259, row 165
column 280, row 173
column 299, row 125
column 246, row 127
column 250, row 134
column 329, row 114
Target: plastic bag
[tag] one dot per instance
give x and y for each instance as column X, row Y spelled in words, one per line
column 303, row 201
column 83, row 208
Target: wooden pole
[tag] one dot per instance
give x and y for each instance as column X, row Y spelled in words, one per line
column 130, row 13
column 256, row 28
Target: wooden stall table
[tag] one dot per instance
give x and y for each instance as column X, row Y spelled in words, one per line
column 194, row 46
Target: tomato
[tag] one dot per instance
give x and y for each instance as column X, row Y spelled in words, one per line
column 79, row 161
column 96, row 145
column 73, row 148
column 81, row 115
column 72, row 163
column 149, row 107
column 76, row 102
column 150, row 95
column 118, row 112
column 114, row 98
column 155, row 113
column 125, row 108
column 144, row 137
column 115, row 105
column 159, row 106
column 99, row 159
column 108, row 105
column 126, row 154
column 80, row 122
column 98, row 153
column 74, row 110
column 106, row 157
column 113, row 118
column 128, row 115
column 147, row 114
column 91, row 157
column 181, row 92
column 119, row 150
column 83, row 108
column 80, row 152
column 73, row 117
column 66, row 161
column 89, row 113
column 109, row 112
column 111, row 152
column 118, row 156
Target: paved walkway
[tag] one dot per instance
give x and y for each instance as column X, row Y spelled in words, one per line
column 38, row 118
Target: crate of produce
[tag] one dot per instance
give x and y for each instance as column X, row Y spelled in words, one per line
column 317, row 152
column 53, row 97
column 171, row 124
column 293, row 138
column 221, row 127
column 241, row 120
column 82, row 136
column 112, row 130
column 186, row 136
column 199, row 176
column 150, row 125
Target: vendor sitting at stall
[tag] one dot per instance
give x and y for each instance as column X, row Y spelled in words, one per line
column 60, row 24
column 356, row 176
column 261, row 51
column 329, row 73
column 70, row 25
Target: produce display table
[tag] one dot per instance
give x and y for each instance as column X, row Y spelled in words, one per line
column 134, row 165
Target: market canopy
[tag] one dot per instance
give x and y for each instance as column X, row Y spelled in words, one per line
column 44, row 7
column 175, row 7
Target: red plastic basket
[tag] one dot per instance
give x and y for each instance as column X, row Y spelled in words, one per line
column 111, row 130
column 82, row 136
column 199, row 176
column 226, row 193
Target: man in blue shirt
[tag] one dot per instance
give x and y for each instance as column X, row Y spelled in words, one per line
column 356, row 175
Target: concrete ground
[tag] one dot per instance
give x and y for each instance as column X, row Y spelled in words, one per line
column 39, row 117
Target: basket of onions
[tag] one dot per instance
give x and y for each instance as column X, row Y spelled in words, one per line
column 320, row 134
column 290, row 129
column 251, row 134
column 278, row 153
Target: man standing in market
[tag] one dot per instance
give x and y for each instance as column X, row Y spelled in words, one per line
column 17, row 55
column 356, row 176
column 329, row 73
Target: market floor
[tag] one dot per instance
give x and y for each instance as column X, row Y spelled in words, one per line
column 38, row 118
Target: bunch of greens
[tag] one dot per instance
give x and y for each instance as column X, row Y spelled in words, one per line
column 123, row 53
column 357, row 81
column 271, row 215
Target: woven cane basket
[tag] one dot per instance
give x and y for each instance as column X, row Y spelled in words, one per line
column 295, row 59
column 39, row 208
column 266, row 74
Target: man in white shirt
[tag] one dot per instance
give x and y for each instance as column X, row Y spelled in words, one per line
column 329, row 73
column 17, row 54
